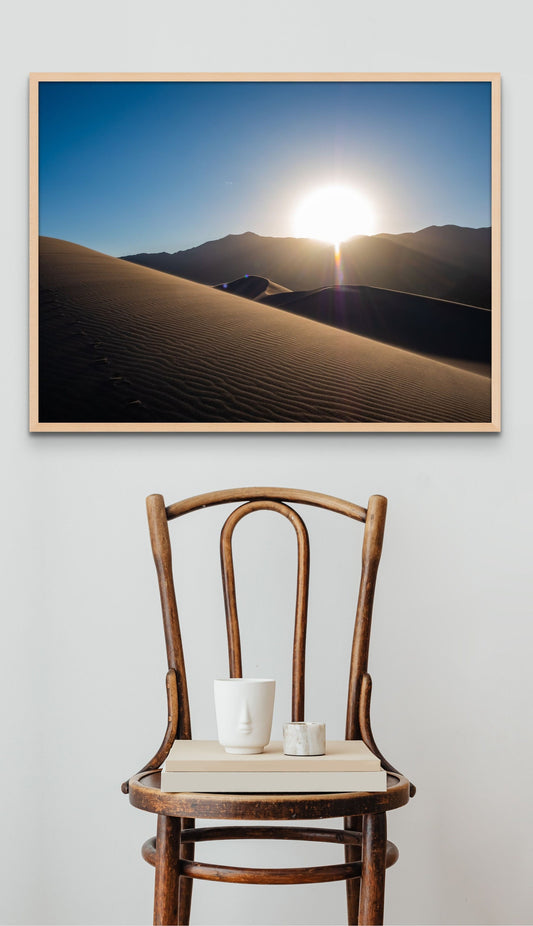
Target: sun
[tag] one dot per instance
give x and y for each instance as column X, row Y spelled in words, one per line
column 334, row 214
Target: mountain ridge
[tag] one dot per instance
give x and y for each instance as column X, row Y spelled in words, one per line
column 444, row 262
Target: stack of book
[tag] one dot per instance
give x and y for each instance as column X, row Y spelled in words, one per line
column 204, row 766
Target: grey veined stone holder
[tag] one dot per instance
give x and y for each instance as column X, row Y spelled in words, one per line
column 304, row 739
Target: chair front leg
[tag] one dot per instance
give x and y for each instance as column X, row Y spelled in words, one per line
column 167, row 871
column 353, row 885
column 185, row 893
column 373, row 870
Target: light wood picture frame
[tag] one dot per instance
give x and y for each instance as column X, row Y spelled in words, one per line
column 265, row 252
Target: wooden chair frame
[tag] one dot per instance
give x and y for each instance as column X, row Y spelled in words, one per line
column 367, row 851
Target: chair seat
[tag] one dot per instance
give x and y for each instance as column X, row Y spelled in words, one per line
column 145, row 793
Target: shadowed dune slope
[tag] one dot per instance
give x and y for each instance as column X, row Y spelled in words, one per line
column 435, row 327
column 120, row 342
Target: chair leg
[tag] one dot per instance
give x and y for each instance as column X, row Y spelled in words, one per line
column 185, row 892
column 353, row 885
column 167, row 871
column 373, row 869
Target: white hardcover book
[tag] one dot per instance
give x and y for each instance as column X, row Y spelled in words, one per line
column 204, row 766
column 273, row 782
column 210, row 756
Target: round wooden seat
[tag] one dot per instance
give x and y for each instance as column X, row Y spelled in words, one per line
column 145, row 793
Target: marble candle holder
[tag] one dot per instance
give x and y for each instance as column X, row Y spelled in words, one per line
column 304, row 739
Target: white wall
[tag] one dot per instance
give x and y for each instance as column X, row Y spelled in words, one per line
column 83, row 655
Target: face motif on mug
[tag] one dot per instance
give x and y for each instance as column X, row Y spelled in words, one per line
column 244, row 708
column 245, row 725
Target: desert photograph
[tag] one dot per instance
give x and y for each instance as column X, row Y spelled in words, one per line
column 262, row 254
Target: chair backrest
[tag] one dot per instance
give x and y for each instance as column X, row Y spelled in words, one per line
column 271, row 499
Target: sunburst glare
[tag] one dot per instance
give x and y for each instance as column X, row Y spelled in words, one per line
column 334, row 214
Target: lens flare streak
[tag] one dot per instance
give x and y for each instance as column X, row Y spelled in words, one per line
column 339, row 276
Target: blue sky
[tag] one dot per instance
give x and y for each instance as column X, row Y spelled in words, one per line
column 148, row 166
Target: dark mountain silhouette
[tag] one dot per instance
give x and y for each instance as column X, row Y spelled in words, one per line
column 446, row 262
column 464, row 247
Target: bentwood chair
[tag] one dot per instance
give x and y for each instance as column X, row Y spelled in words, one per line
column 364, row 836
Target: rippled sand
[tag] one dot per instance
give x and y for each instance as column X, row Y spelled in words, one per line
column 124, row 343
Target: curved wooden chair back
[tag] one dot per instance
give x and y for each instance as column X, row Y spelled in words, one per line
column 271, row 499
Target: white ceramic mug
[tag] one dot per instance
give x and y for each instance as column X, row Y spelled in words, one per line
column 244, row 708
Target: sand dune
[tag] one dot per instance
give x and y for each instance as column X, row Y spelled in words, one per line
column 121, row 342
column 253, row 287
column 444, row 330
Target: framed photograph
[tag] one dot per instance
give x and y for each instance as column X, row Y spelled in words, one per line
column 265, row 252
